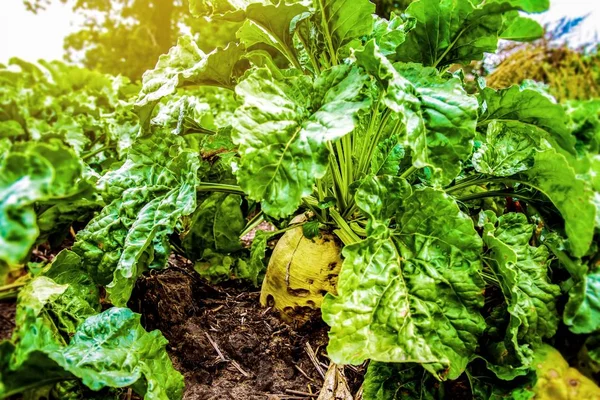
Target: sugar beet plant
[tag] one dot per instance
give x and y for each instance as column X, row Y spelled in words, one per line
column 466, row 223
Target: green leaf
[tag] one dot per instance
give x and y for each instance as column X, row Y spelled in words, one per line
column 457, row 31
column 311, row 229
column 38, row 370
column 439, row 116
column 30, row 173
column 282, row 129
column 530, row 6
column 11, row 129
column 216, row 224
column 110, row 349
column 343, row 21
column 552, row 175
column 80, row 300
column 486, row 386
column 36, row 295
column 55, row 220
column 582, row 312
column 509, row 148
column 270, row 25
column 146, row 197
column 450, row 118
column 412, row 294
column 399, row 95
column 185, row 65
column 521, row 29
column 585, row 124
column 522, row 271
column 390, row 34
column 387, row 157
column 387, row 381
column 256, row 265
column 528, row 107
column 380, row 198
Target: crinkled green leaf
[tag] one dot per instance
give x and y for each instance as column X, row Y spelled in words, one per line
column 457, row 31
column 30, row 173
column 585, row 124
column 390, row 34
column 85, row 110
column 311, row 229
column 552, row 175
column 522, row 271
column 37, row 370
column 387, row 381
column 485, row 386
column 387, row 157
column 220, row 267
column 110, row 349
column 282, row 129
column 36, row 295
column 582, row 312
column 146, row 197
column 412, row 294
column 10, row 129
column 509, row 148
column 67, row 268
column 440, row 117
column 256, row 265
column 186, row 115
column 528, row 107
column 186, row 64
column 399, row 95
column 450, row 117
column 380, row 198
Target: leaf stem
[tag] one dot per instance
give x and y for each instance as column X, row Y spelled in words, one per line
column 11, row 291
column 219, row 187
column 445, row 53
column 473, row 182
column 94, row 152
column 345, row 233
column 253, row 223
column 338, row 182
column 332, row 55
column 494, row 193
column 409, row 171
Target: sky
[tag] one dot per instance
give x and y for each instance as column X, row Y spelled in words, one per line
column 33, row 37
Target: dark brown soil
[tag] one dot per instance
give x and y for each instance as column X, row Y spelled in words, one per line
column 7, row 318
column 226, row 345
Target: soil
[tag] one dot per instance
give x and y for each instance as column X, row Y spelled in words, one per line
column 7, row 318
column 226, row 345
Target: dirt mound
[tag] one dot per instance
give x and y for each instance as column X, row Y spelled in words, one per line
column 226, row 345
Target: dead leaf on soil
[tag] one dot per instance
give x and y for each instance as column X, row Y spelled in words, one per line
column 335, row 386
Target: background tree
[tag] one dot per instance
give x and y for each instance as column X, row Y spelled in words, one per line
column 127, row 36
